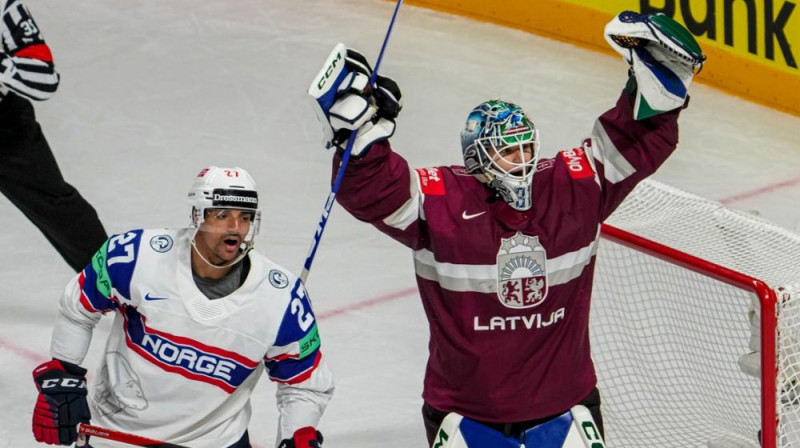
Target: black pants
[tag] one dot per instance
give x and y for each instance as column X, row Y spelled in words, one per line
column 433, row 419
column 244, row 442
column 31, row 180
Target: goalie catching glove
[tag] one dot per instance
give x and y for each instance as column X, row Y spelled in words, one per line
column 663, row 56
column 306, row 437
column 61, row 404
column 345, row 102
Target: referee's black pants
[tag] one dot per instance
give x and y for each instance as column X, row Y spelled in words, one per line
column 433, row 417
column 31, row 180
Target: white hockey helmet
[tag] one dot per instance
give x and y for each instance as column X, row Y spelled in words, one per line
column 497, row 129
column 225, row 188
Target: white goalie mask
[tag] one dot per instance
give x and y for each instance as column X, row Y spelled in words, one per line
column 217, row 188
column 500, row 145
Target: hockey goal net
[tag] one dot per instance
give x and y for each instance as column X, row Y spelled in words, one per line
column 674, row 281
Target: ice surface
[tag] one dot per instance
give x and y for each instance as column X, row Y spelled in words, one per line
column 154, row 90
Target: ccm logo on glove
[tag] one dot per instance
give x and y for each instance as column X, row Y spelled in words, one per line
column 64, row 382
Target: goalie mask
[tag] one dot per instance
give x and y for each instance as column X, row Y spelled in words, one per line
column 216, row 190
column 500, row 145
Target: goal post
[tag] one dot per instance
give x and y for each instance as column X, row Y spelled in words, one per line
column 674, row 277
column 766, row 297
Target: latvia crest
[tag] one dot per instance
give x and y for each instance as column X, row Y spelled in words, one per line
column 521, row 272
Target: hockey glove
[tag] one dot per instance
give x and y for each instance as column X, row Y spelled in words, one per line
column 307, row 437
column 386, row 97
column 663, row 56
column 61, row 404
column 344, row 101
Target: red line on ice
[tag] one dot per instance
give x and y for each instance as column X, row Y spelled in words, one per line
column 760, row 191
column 22, row 352
column 367, row 303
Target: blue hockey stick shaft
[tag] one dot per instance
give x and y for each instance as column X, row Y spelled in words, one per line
column 343, row 164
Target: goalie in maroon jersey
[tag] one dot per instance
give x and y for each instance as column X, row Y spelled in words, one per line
column 509, row 311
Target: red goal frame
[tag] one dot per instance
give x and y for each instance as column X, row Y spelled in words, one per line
column 767, row 298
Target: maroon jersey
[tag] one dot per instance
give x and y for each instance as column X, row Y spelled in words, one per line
column 507, row 292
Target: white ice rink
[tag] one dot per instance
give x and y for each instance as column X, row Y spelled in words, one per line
column 152, row 91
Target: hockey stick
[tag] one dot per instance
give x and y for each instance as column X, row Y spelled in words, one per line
column 117, row 436
column 343, row 164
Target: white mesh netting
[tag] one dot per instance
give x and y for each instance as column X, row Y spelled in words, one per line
column 666, row 340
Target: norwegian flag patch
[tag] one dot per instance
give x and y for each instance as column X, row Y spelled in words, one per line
column 430, row 181
column 577, row 163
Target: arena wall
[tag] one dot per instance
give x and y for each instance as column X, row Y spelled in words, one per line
column 752, row 45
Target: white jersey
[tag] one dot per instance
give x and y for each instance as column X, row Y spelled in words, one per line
column 179, row 367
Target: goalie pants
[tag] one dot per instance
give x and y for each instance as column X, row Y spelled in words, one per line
column 433, row 419
column 244, row 442
column 31, row 180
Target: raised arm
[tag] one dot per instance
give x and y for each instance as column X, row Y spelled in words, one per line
column 632, row 140
column 378, row 187
column 26, row 63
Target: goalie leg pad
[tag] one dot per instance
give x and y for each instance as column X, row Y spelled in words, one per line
column 457, row 431
column 573, row 429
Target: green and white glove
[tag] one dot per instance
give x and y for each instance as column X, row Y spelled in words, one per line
column 663, row 56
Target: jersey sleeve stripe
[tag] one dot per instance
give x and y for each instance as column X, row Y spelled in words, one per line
column 297, row 349
column 26, row 62
column 293, row 371
column 84, row 299
column 406, row 215
column 37, row 51
column 616, row 167
column 37, row 87
column 92, row 299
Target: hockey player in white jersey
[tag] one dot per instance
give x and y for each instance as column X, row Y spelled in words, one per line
column 198, row 315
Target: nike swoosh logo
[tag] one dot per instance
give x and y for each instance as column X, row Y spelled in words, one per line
column 149, row 297
column 466, row 216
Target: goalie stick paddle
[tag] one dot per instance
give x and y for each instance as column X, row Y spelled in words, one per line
column 343, row 165
column 117, row 436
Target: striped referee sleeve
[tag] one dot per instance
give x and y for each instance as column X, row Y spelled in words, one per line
column 26, row 63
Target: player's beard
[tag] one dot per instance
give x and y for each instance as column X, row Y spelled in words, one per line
column 219, row 249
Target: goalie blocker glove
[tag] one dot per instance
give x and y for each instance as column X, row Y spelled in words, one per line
column 344, row 101
column 61, row 403
column 306, row 437
column 663, row 56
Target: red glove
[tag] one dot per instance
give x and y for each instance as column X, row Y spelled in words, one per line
column 61, row 404
column 307, row 437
